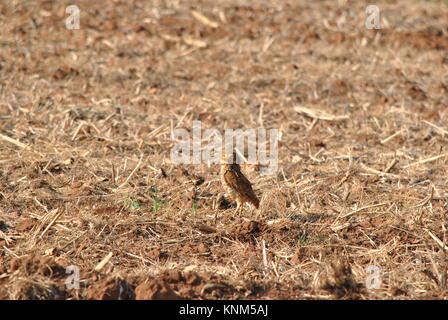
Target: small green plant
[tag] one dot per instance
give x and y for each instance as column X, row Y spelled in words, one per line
column 194, row 207
column 156, row 203
column 131, row 203
column 302, row 237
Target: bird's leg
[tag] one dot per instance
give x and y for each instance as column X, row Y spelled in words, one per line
column 238, row 206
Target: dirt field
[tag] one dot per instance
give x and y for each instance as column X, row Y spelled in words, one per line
column 86, row 178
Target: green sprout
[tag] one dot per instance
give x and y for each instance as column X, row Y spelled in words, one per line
column 303, row 238
column 156, row 203
column 131, row 203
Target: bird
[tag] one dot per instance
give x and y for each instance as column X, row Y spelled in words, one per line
column 236, row 184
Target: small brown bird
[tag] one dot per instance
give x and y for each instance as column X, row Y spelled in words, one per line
column 236, row 184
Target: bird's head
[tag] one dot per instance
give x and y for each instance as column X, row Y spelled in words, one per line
column 230, row 159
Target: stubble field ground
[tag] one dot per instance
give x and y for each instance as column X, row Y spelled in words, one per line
column 86, row 175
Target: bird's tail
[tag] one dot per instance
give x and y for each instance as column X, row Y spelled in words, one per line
column 255, row 202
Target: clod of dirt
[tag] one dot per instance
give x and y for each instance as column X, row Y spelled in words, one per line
column 248, row 227
column 172, row 276
column 298, row 256
column 155, row 290
column 176, row 277
column 47, row 278
column 398, row 291
column 203, row 248
column 416, row 93
column 76, row 185
column 192, row 278
column 109, row 289
column 247, row 230
column 206, row 228
column 64, row 72
column 106, row 210
column 41, row 291
column 156, row 254
column 40, row 265
column 339, row 88
column 26, row 225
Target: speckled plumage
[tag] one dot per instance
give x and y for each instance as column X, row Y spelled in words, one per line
column 237, row 185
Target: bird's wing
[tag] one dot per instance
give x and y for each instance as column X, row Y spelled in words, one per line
column 237, row 181
column 243, row 178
